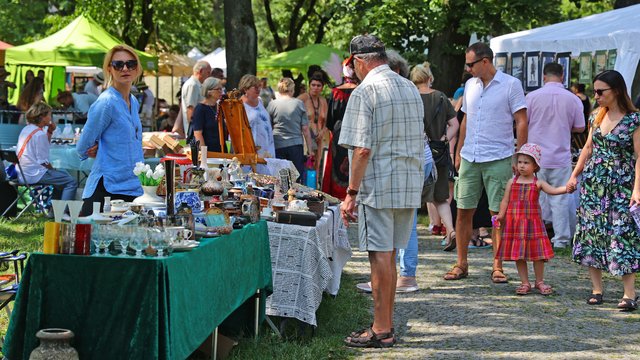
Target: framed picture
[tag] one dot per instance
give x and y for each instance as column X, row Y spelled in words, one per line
column 611, row 59
column 532, row 68
column 584, row 75
column 517, row 66
column 547, row 57
column 564, row 59
column 601, row 61
column 501, row 61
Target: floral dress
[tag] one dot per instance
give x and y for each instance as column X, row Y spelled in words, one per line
column 606, row 235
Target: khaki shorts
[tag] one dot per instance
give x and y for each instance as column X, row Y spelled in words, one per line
column 384, row 229
column 492, row 175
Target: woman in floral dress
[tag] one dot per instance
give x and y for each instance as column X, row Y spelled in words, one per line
column 606, row 235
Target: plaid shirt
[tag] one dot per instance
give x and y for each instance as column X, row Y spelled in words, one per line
column 384, row 114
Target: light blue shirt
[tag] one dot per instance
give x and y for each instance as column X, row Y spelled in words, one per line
column 118, row 132
column 489, row 113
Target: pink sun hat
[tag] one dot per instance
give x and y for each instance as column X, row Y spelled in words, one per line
column 532, row 150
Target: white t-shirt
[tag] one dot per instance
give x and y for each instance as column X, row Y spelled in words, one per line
column 35, row 153
column 190, row 97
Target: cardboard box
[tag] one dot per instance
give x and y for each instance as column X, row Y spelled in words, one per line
column 225, row 345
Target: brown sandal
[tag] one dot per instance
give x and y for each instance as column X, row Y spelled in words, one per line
column 500, row 278
column 371, row 340
column 451, row 275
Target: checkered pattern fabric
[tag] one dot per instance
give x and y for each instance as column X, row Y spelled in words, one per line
column 524, row 236
column 385, row 114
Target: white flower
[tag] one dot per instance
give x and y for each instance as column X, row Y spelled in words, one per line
column 149, row 173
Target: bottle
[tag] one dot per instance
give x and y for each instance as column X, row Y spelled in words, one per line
column 107, row 204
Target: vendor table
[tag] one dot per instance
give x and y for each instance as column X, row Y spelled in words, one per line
column 128, row 308
column 306, row 261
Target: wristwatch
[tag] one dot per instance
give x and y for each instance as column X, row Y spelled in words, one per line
column 352, row 192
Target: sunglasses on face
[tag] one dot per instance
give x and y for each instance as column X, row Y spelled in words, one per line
column 470, row 65
column 119, row 64
column 599, row 92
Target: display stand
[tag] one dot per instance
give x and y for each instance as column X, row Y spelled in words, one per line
column 232, row 114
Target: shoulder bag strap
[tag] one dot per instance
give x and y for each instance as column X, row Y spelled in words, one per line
column 435, row 115
column 26, row 141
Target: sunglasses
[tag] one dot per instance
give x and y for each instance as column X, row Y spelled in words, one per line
column 119, row 64
column 599, row 92
column 470, row 65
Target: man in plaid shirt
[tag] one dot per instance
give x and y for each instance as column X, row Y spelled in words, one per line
column 383, row 130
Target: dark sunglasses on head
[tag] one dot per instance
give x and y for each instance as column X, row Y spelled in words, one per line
column 470, row 65
column 599, row 92
column 119, row 64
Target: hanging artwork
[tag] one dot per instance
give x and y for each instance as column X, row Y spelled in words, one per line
column 501, row 61
column 547, row 57
column 601, row 61
column 532, row 68
column 564, row 59
column 584, row 76
column 517, row 66
column 611, row 59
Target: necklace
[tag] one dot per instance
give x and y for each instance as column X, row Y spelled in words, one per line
column 315, row 109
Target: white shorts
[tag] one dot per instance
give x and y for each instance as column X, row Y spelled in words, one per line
column 384, row 229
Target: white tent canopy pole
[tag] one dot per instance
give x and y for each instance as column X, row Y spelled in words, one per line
column 617, row 29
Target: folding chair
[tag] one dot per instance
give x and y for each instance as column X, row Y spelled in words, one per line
column 9, row 283
column 34, row 190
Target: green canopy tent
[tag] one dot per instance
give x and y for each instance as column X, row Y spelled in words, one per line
column 81, row 43
column 328, row 58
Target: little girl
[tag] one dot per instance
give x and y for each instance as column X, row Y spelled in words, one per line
column 524, row 237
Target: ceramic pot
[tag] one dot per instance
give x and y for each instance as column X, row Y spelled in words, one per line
column 54, row 345
column 149, row 196
column 191, row 198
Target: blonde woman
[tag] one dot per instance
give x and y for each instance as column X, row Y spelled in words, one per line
column 113, row 132
column 33, row 153
column 440, row 124
column 290, row 125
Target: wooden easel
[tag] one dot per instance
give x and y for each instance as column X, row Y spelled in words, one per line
column 231, row 111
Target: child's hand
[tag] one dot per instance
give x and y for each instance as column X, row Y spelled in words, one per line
column 572, row 184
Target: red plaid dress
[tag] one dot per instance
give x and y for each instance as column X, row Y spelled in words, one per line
column 524, row 236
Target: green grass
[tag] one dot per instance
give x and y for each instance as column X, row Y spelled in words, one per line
column 336, row 318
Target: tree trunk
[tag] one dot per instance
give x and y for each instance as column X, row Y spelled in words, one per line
column 241, row 40
column 446, row 55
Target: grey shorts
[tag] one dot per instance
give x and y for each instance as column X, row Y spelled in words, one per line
column 384, row 229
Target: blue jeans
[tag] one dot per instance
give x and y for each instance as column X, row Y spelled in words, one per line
column 408, row 258
column 64, row 186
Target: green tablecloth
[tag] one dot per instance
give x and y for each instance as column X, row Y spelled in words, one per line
column 127, row 308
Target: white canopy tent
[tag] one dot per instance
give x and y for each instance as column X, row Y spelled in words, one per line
column 217, row 59
column 616, row 29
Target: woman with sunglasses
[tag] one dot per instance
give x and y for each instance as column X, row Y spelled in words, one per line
column 606, row 236
column 113, row 133
column 205, row 115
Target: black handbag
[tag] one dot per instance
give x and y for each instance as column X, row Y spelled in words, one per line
column 440, row 148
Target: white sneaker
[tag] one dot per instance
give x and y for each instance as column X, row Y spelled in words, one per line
column 560, row 244
column 366, row 287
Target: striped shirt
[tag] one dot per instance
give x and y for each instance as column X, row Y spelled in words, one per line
column 384, row 114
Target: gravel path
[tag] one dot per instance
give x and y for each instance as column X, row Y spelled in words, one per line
column 476, row 319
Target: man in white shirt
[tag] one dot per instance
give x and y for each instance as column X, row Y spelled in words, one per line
column 491, row 102
column 94, row 86
column 190, row 96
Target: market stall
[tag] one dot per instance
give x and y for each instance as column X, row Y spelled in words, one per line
column 128, row 308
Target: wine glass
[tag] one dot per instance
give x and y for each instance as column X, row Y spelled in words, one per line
column 96, row 238
column 124, row 237
column 140, row 240
column 107, row 238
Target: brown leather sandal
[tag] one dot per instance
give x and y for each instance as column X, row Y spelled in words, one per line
column 500, row 278
column 451, row 275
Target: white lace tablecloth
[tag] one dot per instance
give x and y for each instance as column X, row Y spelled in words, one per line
column 306, row 261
